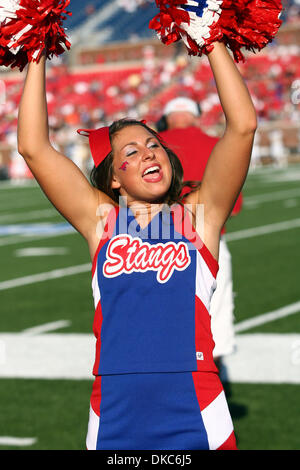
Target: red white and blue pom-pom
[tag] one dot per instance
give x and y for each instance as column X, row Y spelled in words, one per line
column 30, row 27
column 249, row 24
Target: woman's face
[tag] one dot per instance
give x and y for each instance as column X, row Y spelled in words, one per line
column 142, row 169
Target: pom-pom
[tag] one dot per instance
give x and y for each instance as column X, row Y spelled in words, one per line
column 249, row 24
column 30, row 27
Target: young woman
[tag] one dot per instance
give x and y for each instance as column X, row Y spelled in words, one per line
column 156, row 385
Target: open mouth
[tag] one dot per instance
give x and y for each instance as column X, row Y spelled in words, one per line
column 152, row 174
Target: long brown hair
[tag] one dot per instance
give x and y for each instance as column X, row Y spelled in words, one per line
column 101, row 176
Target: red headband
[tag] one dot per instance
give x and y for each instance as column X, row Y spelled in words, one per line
column 99, row 142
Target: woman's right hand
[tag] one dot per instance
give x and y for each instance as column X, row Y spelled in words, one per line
column 61, row 180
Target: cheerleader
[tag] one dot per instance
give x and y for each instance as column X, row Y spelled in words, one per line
column 154, row 265
column 156, row 384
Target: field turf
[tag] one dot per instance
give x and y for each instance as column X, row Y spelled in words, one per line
column 51, row 413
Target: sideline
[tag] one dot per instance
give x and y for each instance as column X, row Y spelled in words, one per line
column 264, row 358
column 267, row 317
column 272, row 196
column 15, row 239
column 259, row 358
column 55, row 274
column 17, row 441
column 46, row 327
column 262, row 230
column 37, row 214
column 16, row 184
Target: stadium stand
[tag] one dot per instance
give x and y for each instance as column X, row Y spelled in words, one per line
column 104, row 21
column 117, row 68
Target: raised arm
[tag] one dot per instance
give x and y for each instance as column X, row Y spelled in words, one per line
column 60, row 179
column 228, row 164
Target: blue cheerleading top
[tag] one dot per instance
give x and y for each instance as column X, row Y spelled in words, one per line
column 152, row 289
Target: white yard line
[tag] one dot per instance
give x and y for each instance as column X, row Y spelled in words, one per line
column 14, row 240
column 21, row 216
column 40, row 251
column 34, row 278
column 267, row 317
column 239, row 327
column 11, row 184
column 46, row 327
column 17, row 441
column 272, row 196
column 262, row 230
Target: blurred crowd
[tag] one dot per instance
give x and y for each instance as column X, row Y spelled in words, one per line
column 291, row 13
column 96, row 97
column 133, row 5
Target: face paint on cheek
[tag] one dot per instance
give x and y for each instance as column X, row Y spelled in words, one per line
column 124, row 166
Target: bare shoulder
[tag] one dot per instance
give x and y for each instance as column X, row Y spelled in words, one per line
column 103, row 207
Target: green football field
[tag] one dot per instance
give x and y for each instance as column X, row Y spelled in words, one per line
column 46, row 343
